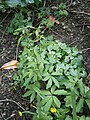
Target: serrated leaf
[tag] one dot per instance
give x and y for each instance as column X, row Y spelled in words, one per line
column 79, row 105
column 88, row 102
column 55, row 82
column 60, row 92
column 56, row 101
column 49, row 84
column 81, row 87
column 48, row 105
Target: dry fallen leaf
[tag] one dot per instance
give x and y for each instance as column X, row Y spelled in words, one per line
column 10, row 65
column 52, row 19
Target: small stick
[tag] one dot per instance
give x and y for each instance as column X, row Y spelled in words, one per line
column 57, row 34
column 74, row 42
column 10, row 117
column 81, row 12
column 10, row 100
column 85, row 49
column 5, row 17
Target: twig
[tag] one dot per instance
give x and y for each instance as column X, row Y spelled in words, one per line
column 5, row 17
column 57, row 34
column 10, row 100
column 6, row 28
column 81, row 12
column 82, row 25
column 2, row 116
column 10, row 117
column 85, row 49
column 74, row 42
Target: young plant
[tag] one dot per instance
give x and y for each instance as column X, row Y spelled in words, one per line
column 48, row 71
column 62, row 10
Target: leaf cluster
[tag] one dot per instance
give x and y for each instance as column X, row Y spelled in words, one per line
column 51, row 73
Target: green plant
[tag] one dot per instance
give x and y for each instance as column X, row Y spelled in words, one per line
column 48, row 72
column 18, row 22
column 62, row 10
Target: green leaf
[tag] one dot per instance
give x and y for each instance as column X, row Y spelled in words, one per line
column 55, row 73
column 60, row 92
column 48, row 105
column 68, row 102
column 81, row 87
column 55, row 81
column 36, row 52
column 82, row 118
column 26, row 82
column 28, row 93
column 32, row 97
column 45, row 100
column 36, row 89
column 41, row 67
column 51, row 69
column 87, row 118
column 88, row 102
column 29, row 1
column 80, row 104
column 49, row 84
column 65, row 12
column 84, row 74
column 68, row 118
column 45, row 92
column 73, row 101
column 56, row 101
column 47, row 77
column 88, row 94
column 73, row 72
column 53, row 88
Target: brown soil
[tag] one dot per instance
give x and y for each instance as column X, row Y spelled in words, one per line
column 75, row 32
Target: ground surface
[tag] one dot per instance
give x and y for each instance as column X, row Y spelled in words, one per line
column 75, row 32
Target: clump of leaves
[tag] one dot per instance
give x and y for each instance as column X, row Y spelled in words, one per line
column 62, row 10
column 18, row 22
column 48, row 72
